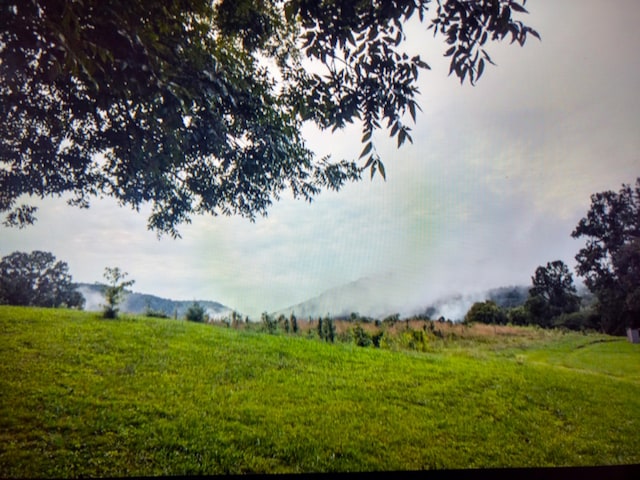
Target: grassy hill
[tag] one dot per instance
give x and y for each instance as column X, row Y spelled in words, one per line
column 82, row 396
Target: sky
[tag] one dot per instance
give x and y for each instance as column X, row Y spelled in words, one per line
column 496, row 179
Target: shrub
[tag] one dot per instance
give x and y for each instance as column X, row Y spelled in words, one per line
column 486, row 312
column 579, row 321
column 361, row 337
column 519, row 316
column 414, row 340
column 149, row 312
column 391, row 320
column 346, row 336
column 269, row 323
column 195, row 313
column 376, row 338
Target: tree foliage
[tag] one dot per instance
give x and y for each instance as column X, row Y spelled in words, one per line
column 610, row 260
column 197, row 107
column 196, row 313
column 36, row 279
column 552, row 293
column 115, row 290
column 486, row 312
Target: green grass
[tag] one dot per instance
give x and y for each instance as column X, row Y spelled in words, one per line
column 83, row 396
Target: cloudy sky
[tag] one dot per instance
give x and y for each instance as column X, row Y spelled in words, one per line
column 494, row 183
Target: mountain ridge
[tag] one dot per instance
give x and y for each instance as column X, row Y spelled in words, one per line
column 377, row 300
column 137, row 303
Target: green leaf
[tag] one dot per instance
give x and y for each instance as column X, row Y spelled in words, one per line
column 480, row 68
column 366, row 149
column 412, row 110
column 402, row 135
column 369, row 161
column 518, row 8
column 381, row 170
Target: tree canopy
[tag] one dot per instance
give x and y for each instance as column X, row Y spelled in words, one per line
column 610, row 260
column 197, row 106
column 552, row 293
column 486, row 312
column 36, row 279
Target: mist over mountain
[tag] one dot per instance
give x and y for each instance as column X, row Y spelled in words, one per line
column 379, row 297
column 141, row 302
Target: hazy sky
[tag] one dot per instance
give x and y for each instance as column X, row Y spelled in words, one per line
column 494, row 183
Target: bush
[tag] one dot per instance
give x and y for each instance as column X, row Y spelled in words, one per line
column 346, row 336
column 361, row 337
column 486, row 312
column 150, row 312
column 195, row 313
column 519, row 316
column 579, row 321
column 416, row 340
column 391, row 320
column 376, row 338
column 269, row 323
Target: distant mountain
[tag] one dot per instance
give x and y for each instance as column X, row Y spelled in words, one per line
column 141, row 302
column 375, row 297
column 378, row 298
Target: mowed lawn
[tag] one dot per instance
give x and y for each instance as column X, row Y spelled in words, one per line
column 83, row 396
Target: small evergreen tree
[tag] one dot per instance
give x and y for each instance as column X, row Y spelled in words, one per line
column 195, row 313
column 330, row 335
column 294, row 323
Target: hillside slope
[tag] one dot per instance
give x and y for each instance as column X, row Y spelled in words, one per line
column 82, row 396
column 140, row 302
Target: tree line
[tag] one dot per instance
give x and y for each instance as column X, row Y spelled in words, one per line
column 609, row 263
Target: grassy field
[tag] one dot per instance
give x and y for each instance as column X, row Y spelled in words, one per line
column 82, row 396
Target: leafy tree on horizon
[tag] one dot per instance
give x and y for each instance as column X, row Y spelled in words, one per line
column 487, row 312
column 196, row 313
column 610, row 260
column 36, row 279
column 114, row 292
column 198, row 107
column 552, row 293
